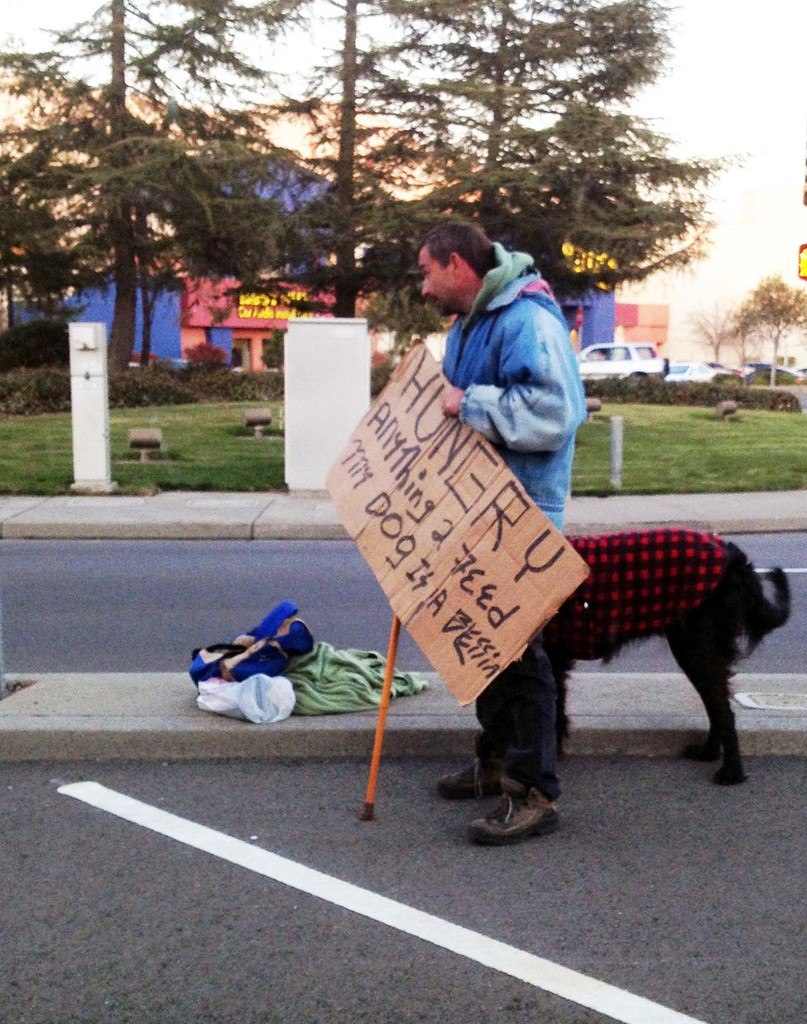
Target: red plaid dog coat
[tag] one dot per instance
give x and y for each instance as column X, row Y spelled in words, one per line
column 640, row 583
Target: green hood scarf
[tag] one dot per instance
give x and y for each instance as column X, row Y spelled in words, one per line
column 509, row 266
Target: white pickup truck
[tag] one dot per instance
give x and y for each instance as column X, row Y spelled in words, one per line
column 626, row 360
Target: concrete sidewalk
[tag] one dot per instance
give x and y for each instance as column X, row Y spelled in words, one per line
column 153, row 716
column 182, row 515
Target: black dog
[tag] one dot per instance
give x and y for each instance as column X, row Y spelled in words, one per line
column 699, row 591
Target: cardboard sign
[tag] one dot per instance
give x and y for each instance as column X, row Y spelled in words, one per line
column 470, row 565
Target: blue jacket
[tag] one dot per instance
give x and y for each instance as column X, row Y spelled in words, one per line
column 522, row 388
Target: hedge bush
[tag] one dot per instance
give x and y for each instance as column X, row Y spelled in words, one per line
column 34, row 343
column 29, row 392
column 783, row 376
column 216, row 385
column 655, row 391
column 26, row 392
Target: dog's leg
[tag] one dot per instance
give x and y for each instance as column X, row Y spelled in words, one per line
column 707, row 663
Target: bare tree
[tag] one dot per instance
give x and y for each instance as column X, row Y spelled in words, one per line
column 716, row 327
column 746, row 345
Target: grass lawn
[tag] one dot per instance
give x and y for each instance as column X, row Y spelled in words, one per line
column 685, row 449
column 668, row 449
column 205, row 448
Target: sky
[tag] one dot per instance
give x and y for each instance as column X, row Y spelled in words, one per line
column 736, row 85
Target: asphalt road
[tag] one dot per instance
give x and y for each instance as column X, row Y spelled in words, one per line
column 127, row 606
column 688, row 894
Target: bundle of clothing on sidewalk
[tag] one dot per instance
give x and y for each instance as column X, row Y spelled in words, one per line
column 277, row 669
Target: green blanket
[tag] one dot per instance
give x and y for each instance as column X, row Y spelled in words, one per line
column 328, row 681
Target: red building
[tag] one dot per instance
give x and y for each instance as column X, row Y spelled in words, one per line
column 242, row 322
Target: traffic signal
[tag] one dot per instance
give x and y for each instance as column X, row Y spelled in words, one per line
column 803, row 262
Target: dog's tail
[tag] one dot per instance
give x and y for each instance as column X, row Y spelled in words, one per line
column 759, row 613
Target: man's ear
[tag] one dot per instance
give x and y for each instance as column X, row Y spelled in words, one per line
column 462, row 270
column 456, row 262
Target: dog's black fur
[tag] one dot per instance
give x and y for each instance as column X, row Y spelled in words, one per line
column 706, row 643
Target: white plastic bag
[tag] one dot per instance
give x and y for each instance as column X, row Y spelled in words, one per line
column 259, row 698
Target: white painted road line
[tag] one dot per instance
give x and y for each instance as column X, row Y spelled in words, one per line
column 560, row 981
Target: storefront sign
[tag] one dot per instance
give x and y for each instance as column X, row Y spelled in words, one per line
column 261, row 306
column 469, row 564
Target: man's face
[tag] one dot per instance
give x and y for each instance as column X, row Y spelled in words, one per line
column 443, row 285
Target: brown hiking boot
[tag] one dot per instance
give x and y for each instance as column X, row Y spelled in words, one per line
column 519, row 814
column 483, row 778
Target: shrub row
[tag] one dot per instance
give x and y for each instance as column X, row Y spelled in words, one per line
column 655, row 391
column 29, row 392
column 34, row 343
column 32, row 391
column 26, row 392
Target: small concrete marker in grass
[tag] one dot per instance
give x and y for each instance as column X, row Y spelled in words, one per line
column 145, row 440
column 724, row 410
column 257, row 419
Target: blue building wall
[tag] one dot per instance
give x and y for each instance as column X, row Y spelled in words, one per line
column 599, row 317
column 98, row 306
column 223, row 338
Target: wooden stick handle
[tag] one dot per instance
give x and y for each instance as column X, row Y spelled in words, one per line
column 368, row 811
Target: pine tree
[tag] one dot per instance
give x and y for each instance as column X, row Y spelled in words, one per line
column 141, row 112
column 405, row 315
column 515, row 113
column 38, row 264
column 518, row 114
column 357, row 225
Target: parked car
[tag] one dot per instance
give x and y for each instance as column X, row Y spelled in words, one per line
column 720, row 368
column 691, row 371
column 167, row 362
column 751, row 368
column 628, row 360
column 760, row 373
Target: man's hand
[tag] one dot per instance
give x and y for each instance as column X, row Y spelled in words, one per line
column 452, row 400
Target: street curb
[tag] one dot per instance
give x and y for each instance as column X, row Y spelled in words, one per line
column 175, row 515
column 124, row 740
column 153, row 716
column 188, row 531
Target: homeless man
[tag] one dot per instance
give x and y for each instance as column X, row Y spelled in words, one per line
column 514, row 378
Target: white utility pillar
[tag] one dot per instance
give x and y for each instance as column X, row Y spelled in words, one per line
column 89, row 399
column 327, row 391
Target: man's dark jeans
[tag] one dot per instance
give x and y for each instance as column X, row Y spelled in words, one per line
column 517, row 715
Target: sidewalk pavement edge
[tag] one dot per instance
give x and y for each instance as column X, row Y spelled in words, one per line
column 183, row 515
column 153, row 716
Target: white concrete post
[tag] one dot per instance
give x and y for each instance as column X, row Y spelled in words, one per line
column 617, row 437
column 89, row 399
column 327, row 391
